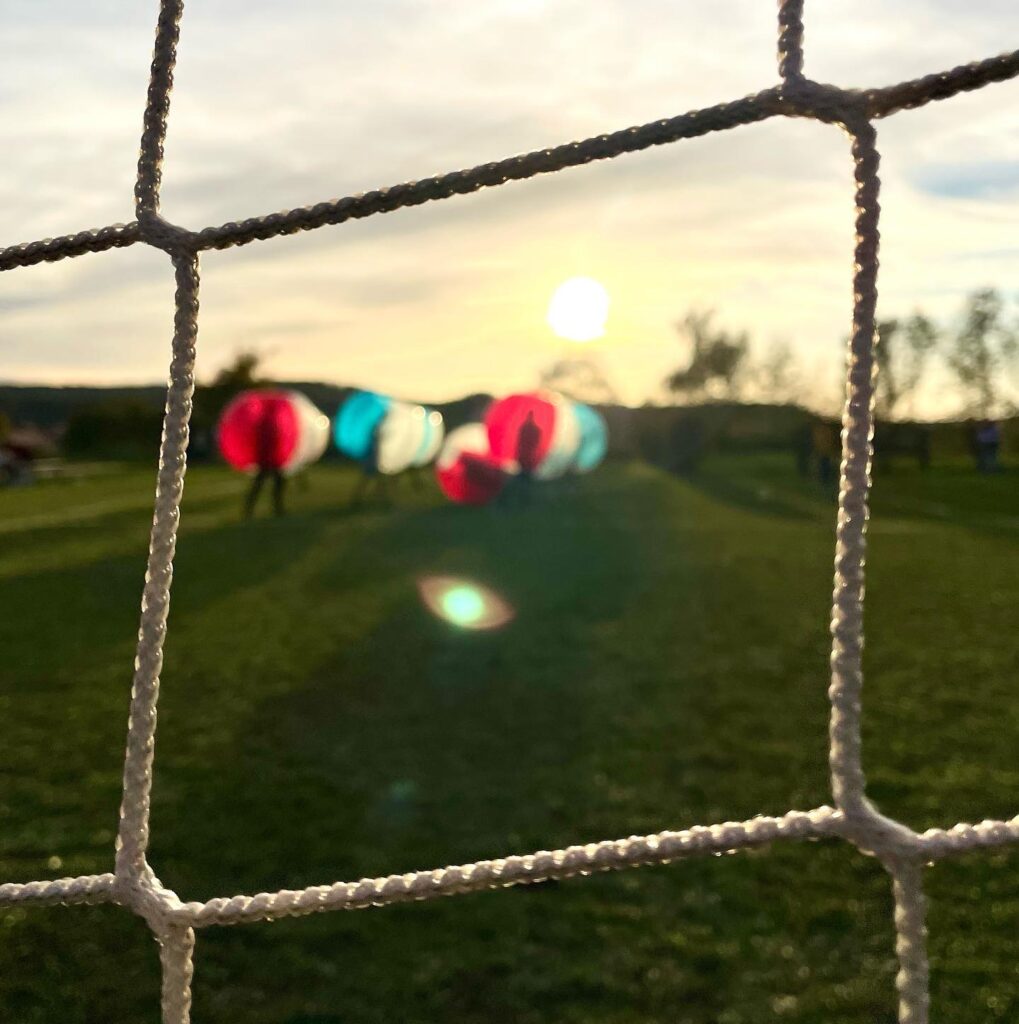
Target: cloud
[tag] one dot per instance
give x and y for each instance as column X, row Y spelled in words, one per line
column 278, row 110
column 969, row 180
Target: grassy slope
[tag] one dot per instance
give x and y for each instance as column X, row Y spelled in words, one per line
column 667, row 667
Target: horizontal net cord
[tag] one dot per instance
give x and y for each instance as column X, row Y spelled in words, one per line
column 48, row 250
column 545, row 865
column 601, row 147
column 937, row 843
column 941, row 85
column 610, row 855
column 60, row 891
column 829, row 100
column 635, row 851
column 720, row 117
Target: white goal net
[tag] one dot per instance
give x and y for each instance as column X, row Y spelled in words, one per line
column 903, row 852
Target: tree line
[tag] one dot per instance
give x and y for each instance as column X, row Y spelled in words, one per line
column 979, row 349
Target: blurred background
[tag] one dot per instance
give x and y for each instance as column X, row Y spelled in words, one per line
column 384, row 679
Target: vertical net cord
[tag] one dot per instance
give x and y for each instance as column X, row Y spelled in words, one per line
column 854, row 485
column 872, row 831
column 790, row 39
column 157, row 108
column 913, row 978
column 133, row 833
column 176, row 956
column 132, row 840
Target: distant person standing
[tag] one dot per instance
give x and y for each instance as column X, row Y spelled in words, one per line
column 15, row 465
column 267, row 443
column 923, row 447
column 803, row 449
column 987, row 442
column 370, row 473
column 825, row 441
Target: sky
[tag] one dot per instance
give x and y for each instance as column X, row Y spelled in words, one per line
column 279, row 104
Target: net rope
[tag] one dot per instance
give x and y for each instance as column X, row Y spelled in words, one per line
column 903, row 852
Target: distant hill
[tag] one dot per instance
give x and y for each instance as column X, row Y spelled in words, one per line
column 52, row 407
column 660, row 434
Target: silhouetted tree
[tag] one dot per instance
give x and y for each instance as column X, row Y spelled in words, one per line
column 777, row 376
column 717, row 358
column 240, row 375
column 981, row 350
column 902, row 354
column 582, row 379
column 211, row 399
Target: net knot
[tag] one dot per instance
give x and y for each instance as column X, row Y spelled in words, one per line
column 157, row 231
column 143, row 893
column 803, row 97
column 878, row 836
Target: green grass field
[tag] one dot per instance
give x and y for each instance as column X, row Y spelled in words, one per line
column 667, row 667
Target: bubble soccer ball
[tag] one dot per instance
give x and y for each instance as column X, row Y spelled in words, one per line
column 431, row 441
column 536, row 433
column 396, row 434
column 402, row 434
column 467, row 471
column 594, row 438
column 271, row 429
column 565, row 442
column 356, row 422
column 511, row 440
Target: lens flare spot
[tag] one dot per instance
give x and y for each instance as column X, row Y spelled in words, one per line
column 463, row 603
column 463, row 606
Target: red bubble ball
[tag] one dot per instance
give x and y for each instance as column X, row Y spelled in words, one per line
column 260, row 430
column 520, row 430
column 466, row 470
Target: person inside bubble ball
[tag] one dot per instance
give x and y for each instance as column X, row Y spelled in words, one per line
column 268, row 468
column 528, row 450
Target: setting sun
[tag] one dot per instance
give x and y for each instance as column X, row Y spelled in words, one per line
column 578, row 309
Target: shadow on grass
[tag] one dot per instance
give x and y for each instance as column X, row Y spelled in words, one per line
column 50, row 617
column 68, row 638
column 397, row 739
column 908, row 497
column 762, row 496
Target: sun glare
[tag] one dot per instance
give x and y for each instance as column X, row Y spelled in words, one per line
column 578, row 309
